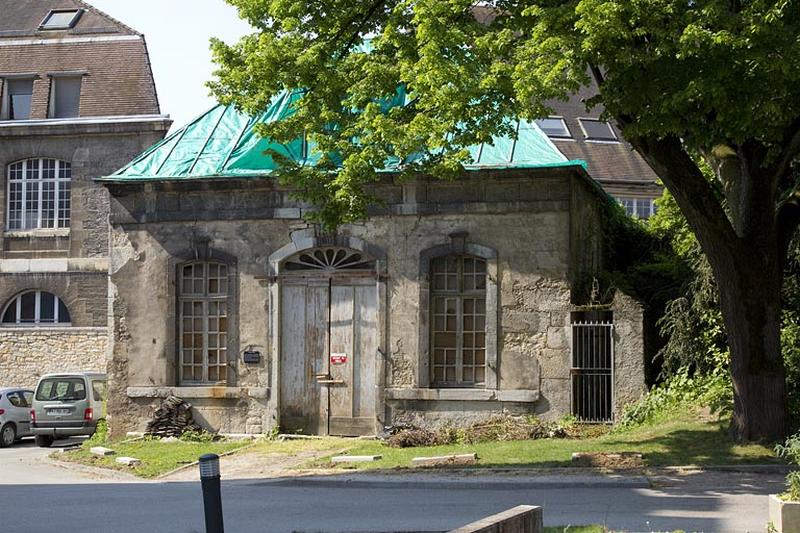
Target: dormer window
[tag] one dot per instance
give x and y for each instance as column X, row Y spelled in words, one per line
column 597, row 130
column 554, row 127
column 60, row 19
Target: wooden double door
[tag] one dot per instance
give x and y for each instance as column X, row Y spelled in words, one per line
column 329, row 355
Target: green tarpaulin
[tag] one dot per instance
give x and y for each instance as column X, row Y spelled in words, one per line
column 222, row 143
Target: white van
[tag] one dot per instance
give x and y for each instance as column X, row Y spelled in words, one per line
column 68, row 405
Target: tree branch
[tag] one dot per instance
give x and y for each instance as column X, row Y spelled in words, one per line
column 693, row 193
column 790, row 151
column 787, row 220
column 359, row 24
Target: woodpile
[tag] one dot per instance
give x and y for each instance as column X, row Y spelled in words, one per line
column 172, row 419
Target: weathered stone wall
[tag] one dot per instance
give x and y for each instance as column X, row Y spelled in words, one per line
column 629, row 351
column 28, row 353
column 526, row 223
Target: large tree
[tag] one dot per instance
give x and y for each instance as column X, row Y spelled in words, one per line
column 685, row 80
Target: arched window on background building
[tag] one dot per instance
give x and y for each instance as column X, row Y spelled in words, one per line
column 35, row 308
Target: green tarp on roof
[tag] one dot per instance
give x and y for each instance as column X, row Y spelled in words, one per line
column 222, row 143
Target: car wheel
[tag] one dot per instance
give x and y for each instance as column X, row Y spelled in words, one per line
column 8, row 435
column 44, row 441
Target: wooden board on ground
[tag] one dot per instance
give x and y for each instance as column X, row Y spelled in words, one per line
column 446, row 460
column 608, row 459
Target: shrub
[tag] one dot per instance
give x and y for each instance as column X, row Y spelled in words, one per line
column 791, row 450
column 100, row 435
column 191, row 435
column 680, row 391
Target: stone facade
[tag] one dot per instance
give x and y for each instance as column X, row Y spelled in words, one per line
column 54, row 241
column 537, row 230
column 28, row 353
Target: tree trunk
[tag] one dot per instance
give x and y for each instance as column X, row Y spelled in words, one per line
column 751, row 309
column 747, row 259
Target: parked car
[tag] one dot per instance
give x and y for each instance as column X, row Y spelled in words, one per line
column 15, row 415
column 67, row 405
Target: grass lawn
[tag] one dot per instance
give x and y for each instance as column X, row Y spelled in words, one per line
column 156, row 457
column 683, row 439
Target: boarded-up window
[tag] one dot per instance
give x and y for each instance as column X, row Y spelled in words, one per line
column 65, row 97
column 203, row 306
column 17, row 102
column 458, row 333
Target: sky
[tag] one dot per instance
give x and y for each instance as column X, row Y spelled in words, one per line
column 177, row 34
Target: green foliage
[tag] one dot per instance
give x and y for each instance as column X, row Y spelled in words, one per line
column 692, row 323
column 639, row 261
column 100, row 435
column 673, row 68
column 682, row 391
column 791, row 450
column 202, row 435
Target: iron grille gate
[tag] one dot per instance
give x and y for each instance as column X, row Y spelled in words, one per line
column 592, row 371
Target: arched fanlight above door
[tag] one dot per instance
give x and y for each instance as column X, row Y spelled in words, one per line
column 330, row 259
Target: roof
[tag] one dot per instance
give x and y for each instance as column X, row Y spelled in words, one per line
column 606, row 161
column 21, row 18
column 223, row 143
column 111, row 58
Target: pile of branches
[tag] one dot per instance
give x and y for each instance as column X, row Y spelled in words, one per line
column 172, row 419
column 498, row 428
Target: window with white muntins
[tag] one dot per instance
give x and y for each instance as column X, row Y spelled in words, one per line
column 35, row 308
column 638, row 207
column 39, row 194
column 203, row 322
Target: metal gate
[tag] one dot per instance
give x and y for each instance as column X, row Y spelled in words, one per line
column 593, row 370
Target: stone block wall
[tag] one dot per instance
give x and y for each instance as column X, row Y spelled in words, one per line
column 28, row 353
column 527, row 223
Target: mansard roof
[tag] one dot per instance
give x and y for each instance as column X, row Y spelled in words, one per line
column 110, row 57
column 223, row 143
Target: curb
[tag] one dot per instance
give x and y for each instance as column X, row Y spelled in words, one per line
column 97, row 473
column 744, row 469
column 544, row 482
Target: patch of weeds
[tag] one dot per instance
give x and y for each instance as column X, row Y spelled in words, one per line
column 192, row 435
column 496, row 429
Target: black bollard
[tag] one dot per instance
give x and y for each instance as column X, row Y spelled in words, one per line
column 212, row 496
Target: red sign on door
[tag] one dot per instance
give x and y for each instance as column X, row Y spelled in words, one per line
column 338, row 358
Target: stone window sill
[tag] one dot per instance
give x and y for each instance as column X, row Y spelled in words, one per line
column 45, row 328
column 46, row 232
column 219, row 392
column 486, row 395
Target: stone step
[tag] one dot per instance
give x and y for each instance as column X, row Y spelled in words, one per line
column 356, row 458
column 101, row 451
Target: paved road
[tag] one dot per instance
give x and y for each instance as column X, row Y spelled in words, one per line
column 705, row 502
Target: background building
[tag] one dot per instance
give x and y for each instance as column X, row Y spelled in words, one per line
column 77, row 101
column 610, row 160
